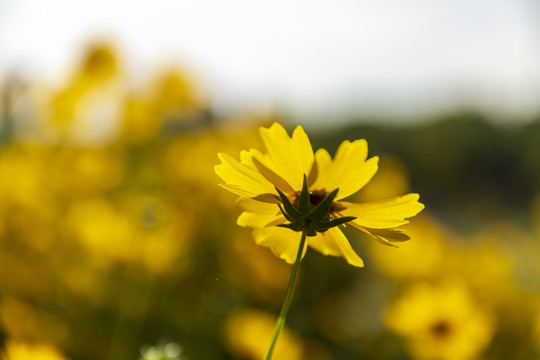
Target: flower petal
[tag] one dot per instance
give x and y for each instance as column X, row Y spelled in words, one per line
column 384, row 214
column 349, row 171
column 241, row 178
column 385, row 236
column 258, row 214
column 333, row 242
column 291, row 158
column 283, row 242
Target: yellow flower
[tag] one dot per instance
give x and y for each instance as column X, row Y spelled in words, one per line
column 248, row 332
column 271, row 184
column 22, row 351
column 441, row 322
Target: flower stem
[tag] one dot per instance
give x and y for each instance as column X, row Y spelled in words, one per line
column 288, row 297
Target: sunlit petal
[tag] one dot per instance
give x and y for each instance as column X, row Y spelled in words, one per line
column 258, row 214
column 333, row 242
column 241, row 179
column 384, row 214
column 283, row 242
column 291, row 157
column 349, row 171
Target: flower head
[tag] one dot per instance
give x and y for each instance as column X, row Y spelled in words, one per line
column 441, row 321
column 291, row 188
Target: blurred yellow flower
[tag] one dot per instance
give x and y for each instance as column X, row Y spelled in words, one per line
column 22, row 351
column 20, row 320
column 248, row 332
column 176, row 94
column 140, row 122
column 441, row 322
column 136, row 230
column 268, row 181
column 88, row 106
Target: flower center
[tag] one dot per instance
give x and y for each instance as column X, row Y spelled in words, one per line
column 315, row 198
column 441, row 329
column 311, row 211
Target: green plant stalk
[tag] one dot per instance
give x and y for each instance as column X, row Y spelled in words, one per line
column 288, row 297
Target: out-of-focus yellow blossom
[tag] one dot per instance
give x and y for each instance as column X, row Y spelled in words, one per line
column 100, row 63
column 93, row 170
column 423, row 257
column 131, row 232
column 16, row 350
column 176, row 95
column 290, row 160
column 88, row 108
column 248, row 332
column 186, row 159
column 140, row 122
column 21, row 320
column 23, row 173
column 104, row 230
column 441, row 322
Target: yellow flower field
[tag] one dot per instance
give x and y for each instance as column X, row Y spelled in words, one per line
column 116, row 241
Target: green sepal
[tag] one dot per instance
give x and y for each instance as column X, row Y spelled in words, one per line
column 289, row 208
column 313, row 220
column 303, row 202
column 296, row 226
column 287, row 216
column 322, row 226
column 311, row 231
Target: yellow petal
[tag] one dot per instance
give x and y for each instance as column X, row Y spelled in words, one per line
column 283, row 242
column 291, row 157
column 383, row 214
column 253, row 220
column 323, row 244
column 272, row 177
column 258, row 214
column 258, row 207
column 349, row 171
column 333, row 242
column 240, row 178
column 384, row 236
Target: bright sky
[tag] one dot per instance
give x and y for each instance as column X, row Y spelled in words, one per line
column 309, row 56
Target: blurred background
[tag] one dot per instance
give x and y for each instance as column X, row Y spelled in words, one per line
column 116, row 242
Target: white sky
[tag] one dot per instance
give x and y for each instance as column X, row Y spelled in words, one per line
column 312, row 56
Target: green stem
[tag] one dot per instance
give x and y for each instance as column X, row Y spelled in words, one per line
column 288, row 297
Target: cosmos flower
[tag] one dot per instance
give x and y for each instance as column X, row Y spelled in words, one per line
column 441, row 321
column 15, row 350
column 247, row 332
column 291, row 188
